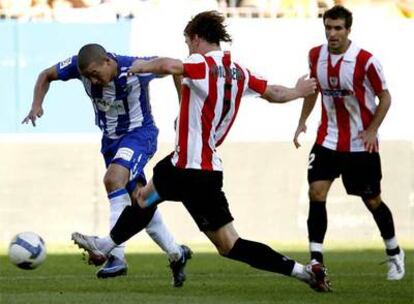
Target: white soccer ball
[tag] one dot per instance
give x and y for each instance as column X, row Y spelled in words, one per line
column 27, row 250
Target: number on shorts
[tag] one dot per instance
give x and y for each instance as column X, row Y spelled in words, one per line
column 311, row 159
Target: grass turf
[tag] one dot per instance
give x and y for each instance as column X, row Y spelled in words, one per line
column 357, row 277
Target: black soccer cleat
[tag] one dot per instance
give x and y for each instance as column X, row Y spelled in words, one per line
column 178, row 266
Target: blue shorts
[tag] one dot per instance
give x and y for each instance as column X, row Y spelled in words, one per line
column 132, row 151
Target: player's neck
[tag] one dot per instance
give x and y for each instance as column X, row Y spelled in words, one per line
column 205, row 48
column 340, row 50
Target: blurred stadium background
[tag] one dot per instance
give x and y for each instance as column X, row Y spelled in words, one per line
column 51, row 175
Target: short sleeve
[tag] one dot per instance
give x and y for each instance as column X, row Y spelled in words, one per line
column 195, row 67
column 376, row 76
column 68, row 69
column 256, row 84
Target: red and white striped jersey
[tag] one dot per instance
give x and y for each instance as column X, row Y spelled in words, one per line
column 211, row 91
column 348, row 87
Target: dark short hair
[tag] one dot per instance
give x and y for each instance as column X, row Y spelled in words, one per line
column 339, row 12
column 90, row 53
column 209, row 26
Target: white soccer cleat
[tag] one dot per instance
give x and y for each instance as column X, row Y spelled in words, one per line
column 396, row 266
column 96, row 256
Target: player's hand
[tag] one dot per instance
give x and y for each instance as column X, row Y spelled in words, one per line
column 305, row 86
column 35, row 112
column 369, row 138
column 301, row 128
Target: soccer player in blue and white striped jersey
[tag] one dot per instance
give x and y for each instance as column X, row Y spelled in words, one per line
column 123, row 113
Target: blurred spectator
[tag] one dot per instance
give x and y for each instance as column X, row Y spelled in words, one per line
column 61, row 4
column 15, row 9
column 406, row 7
column 40, row 10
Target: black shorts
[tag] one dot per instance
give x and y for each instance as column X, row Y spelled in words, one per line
column 360, row 171
column 199, row 190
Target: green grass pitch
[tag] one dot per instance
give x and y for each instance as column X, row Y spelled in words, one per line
column 357, row 277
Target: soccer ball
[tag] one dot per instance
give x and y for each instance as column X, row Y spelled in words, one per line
column 27, row 250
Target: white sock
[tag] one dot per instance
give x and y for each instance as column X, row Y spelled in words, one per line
column 315, row 247
column 105, row 244
column 159, row 233
column 300, row 272
column 118, row 200
column 391, row 243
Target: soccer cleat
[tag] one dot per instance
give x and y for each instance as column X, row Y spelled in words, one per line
column 319, row 280
column 178, row 266
column 396, row 266
column 88, row 243
column 114, row 267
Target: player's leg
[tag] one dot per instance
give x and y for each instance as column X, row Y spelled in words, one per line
column 159, row 233
column 317, row 221
column 208, row 206
column 125, row 159
column 169, row 182
column 261, row 256
column 385, row 223
column 322, row 170
column 363, row 178
column 132, row 220
column 115, row 180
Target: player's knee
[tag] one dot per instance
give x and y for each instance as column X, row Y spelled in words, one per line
column 224, row 246
column 317, row 194
column 223, row 249
column 372, row 203
column 113, row 183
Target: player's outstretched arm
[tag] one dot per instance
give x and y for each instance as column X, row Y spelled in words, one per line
column 307, row 107
column 280, row 94
column 161, row 66
column 41, row 87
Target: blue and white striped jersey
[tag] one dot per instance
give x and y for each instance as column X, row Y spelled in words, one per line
column 120, row 106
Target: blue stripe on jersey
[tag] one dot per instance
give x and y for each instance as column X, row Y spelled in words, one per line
column 123, row 119
column 100, row 116
column 144, row 99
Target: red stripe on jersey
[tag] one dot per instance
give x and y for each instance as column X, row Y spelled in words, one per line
column 183, row 127
column 374, row 79
column 195, row 70
column 207, row 116
column 256, row 84
column 313, row 60
column 344, row 126
column 359, row 89
column 239, row 94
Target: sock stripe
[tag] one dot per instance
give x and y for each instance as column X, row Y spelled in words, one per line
column 117, row 193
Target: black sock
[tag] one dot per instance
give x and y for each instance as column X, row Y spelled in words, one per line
column 261, row 256
column 383, row 217
column 131, row 221
column 317, row 225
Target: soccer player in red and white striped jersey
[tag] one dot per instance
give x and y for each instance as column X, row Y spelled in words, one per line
column 211, row 91
column 349, row 80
